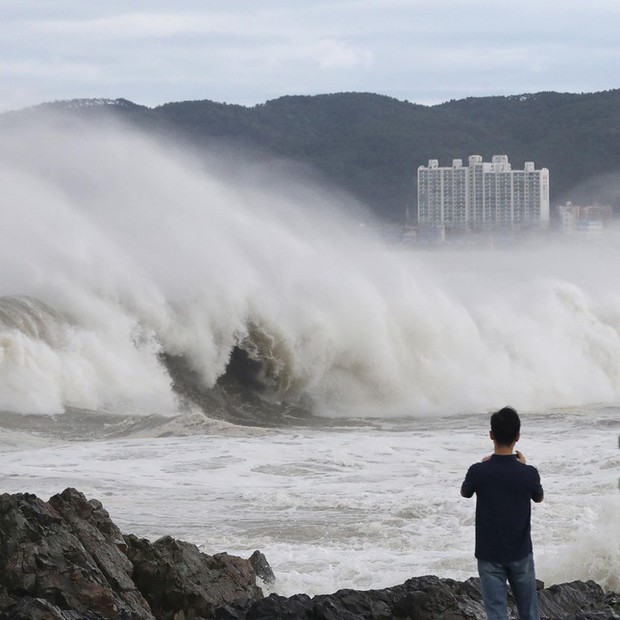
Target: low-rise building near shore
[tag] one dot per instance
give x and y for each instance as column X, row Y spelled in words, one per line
column 587, row 221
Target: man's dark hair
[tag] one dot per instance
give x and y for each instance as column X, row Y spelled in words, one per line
column 505, row 425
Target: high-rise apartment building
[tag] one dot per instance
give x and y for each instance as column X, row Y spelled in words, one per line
column 482, row 196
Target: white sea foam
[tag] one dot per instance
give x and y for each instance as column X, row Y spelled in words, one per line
column 143, row 249
column 360, row 507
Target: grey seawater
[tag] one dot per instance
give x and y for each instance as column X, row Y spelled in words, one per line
column 76, row 425
column 358, row 503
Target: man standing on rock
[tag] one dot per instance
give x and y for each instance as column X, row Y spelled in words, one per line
column 505, row 486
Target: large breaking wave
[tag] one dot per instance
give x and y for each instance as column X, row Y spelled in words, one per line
column 136, row 277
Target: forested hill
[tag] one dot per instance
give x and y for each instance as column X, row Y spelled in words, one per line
column 372, row 145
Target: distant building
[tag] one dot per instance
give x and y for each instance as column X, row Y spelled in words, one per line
column 483, row 195
column 586, row 221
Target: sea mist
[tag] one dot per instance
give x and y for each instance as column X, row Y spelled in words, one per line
column 117, row 247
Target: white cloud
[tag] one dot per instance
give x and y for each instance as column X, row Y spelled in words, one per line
column 146, row 25
column 331, row 54
column 153, row 51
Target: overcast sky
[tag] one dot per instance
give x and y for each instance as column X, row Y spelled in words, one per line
column 249, row 51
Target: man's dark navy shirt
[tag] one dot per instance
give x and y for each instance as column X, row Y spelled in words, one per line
column 504, row 488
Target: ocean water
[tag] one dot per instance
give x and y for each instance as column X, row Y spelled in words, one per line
column 363, row 505
column 377, row 367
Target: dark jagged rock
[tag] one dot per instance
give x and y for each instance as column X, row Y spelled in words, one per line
column 65, row 552
column 66, row 560
column 419, row 598
column 424, row 598
column 567, row 599
column 104, row 542
column 261, row 567
column 175, row 577
column 39, row 609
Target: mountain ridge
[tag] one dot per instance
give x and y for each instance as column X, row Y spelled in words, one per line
column 371, row 144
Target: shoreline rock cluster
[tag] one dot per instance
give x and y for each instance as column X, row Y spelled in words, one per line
column 66, row 560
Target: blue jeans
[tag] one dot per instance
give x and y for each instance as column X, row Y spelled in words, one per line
column 522, row 578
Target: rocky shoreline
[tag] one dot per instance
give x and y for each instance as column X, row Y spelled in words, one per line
column 65, row 559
